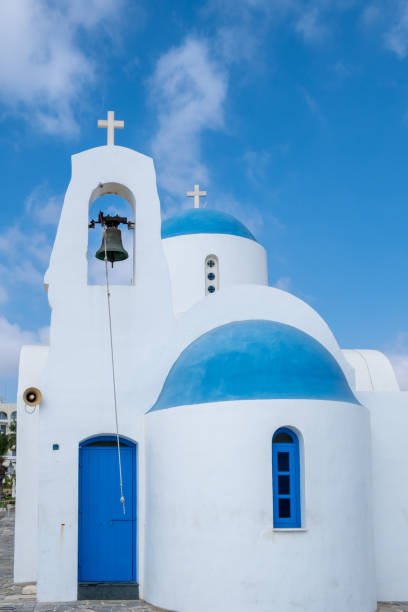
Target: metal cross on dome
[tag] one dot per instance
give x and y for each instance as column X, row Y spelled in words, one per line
column 196, row 194
column 110, row 124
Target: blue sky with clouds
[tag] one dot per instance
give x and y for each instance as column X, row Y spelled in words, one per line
column 292, row 114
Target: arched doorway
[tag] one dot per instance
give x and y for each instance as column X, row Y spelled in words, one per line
column 106, row 535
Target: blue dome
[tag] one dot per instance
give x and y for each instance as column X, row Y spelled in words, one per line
column 203, row 221
column 253, row 360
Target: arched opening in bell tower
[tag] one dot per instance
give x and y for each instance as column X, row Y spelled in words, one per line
column 111, row 204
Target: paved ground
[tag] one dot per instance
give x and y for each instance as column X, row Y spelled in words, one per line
column 13, row 599
column 12, row 596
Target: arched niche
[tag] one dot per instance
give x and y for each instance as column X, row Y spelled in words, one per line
column 211, row 274
column 113, row 189
column 112, row 199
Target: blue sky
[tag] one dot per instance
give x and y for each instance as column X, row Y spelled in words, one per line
column 293, row 116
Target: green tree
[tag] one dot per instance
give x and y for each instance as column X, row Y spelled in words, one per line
column 12, row 434
column 7, row 441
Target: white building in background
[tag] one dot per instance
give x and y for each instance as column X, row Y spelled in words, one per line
column 264, row 469
column 8, row 415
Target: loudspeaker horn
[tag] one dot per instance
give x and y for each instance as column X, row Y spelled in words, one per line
column 32, row 396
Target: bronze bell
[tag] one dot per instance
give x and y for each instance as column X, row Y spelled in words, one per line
column 115, row 250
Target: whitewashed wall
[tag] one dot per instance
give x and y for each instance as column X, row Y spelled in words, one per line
column 210, row 542
column 240, row 261
column 77, row 392
column 373, row 370
column 77, row 382
column 389, row 421
column 32, row 364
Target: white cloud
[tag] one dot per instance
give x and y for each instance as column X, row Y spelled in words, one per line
column 400, row 364
column 396, row 38
column 284, row 283
column 391, row 20
column 190, row 82
column 257, row 165
column 25, row 246
column 310, row 25
column 246, row 212
column 12, row 339
column 312, row 104
column 397, row 353
column 43, row 207
column 189, row 89
column 243, row 24
column 3, row 295
column 44, row 73
column 21, row 271
column 371, row 15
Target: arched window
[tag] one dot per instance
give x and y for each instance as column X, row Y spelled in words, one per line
column 13, row 415
column 211, row 274
column 286, row 479
column 3, row 416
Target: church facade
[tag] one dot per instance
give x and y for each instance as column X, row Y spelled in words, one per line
column 263, row 468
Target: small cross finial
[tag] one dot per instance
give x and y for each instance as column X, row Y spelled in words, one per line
column 196, row 194
column 111, row 125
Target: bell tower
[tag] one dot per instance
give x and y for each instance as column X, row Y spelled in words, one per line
column 77, row 378
column 109, row 170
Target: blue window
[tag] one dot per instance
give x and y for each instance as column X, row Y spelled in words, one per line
column 286, row 479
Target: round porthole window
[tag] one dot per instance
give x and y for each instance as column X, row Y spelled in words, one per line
column 211, row 276
column 211, row 289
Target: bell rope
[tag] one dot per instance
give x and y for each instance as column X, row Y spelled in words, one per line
column 122, row 498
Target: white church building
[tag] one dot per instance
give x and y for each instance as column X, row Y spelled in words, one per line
column 263, row 468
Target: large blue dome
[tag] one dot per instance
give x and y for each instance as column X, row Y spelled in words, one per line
column 254, row 359
column 203, row 221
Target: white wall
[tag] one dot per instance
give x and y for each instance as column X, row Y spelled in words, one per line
column 77, row 382
column 389, row 419
column 210, row 542
column 32, row 364
column 77, row 388
column 241, row 261
column 373, row 370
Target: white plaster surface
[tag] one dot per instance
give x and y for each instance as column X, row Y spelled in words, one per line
column 389, row 421
column 240, row 261
column 210, row 543
column 205, row 535
column 32, row 364
column 77, row 383
column 373, row 370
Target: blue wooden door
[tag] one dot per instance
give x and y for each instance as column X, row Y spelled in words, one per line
column 107, row 537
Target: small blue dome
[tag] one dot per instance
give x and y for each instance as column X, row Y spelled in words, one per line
column 203, row 221
column 253, row 359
